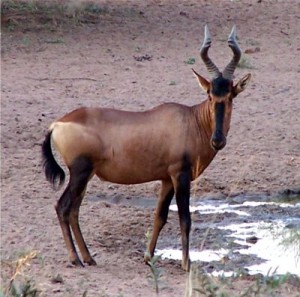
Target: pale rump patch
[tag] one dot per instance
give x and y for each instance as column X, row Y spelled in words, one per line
column 73, row 140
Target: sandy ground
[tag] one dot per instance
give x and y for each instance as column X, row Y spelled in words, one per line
column 134, row 59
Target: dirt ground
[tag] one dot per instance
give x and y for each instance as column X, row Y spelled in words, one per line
column 138, row 56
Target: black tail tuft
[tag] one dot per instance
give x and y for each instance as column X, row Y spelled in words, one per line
column 53, row 171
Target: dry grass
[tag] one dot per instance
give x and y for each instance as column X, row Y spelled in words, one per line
column 15, row 280
column 47, row 14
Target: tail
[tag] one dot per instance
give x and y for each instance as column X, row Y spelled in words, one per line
column 54, row 173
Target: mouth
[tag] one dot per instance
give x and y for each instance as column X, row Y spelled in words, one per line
column 217, row 146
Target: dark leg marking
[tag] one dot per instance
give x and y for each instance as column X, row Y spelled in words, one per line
column 68, row 205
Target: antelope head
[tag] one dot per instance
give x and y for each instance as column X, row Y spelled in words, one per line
column 220, row 89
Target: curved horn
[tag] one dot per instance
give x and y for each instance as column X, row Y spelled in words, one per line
column 232, row 43
column 211, row 67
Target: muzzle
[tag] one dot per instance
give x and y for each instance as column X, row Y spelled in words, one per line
column 218, row 140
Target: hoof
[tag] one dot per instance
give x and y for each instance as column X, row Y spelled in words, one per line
column 90, row 262
column 77, row 263
column 186, row 265
column 147, row 258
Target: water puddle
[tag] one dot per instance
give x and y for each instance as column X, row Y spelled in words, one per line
column 266, row 237
column 204, row 208
column 276, row 245
column 252, row 233
column 210, row 209
column 204, row 256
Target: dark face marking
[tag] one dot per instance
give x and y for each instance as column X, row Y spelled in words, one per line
column 220, row 86
column 218, row 140
column 220, row 93
column 219, row 115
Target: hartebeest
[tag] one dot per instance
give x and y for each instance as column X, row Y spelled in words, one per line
column 172, row 142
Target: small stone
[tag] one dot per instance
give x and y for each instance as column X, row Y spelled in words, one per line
column 252, row 239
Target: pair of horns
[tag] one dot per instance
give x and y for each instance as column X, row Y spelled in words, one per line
column 211, row 67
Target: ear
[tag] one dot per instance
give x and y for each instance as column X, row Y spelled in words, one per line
column 242, row 84
column 204, row 84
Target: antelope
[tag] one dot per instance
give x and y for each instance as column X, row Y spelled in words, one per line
column 172, row 143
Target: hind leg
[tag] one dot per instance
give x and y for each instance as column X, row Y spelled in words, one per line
column 63, row 208
column 67, row 208
column 74, row 214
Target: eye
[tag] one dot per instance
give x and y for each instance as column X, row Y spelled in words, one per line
column 208, row 93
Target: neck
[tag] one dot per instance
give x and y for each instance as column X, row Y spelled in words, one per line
column 204, row 120
column 205, row 129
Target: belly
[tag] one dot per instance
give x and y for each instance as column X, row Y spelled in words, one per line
column 131, row 172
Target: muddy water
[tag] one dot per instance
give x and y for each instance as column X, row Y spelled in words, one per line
column 266, row 236
column 249, row 234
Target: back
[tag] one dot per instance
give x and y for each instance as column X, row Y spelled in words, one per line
column 130, row 147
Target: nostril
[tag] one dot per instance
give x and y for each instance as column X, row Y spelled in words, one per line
column 218, row 141
column 218, row 145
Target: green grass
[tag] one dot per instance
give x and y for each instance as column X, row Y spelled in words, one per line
column 172, row 83
column 190, row 61
column 203, row 284
column 156, row 273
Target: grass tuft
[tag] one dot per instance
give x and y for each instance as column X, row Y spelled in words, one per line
column 203, row 284
column 156, row 273
column 245, row 63
column 19, row 283
column 190, row 61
